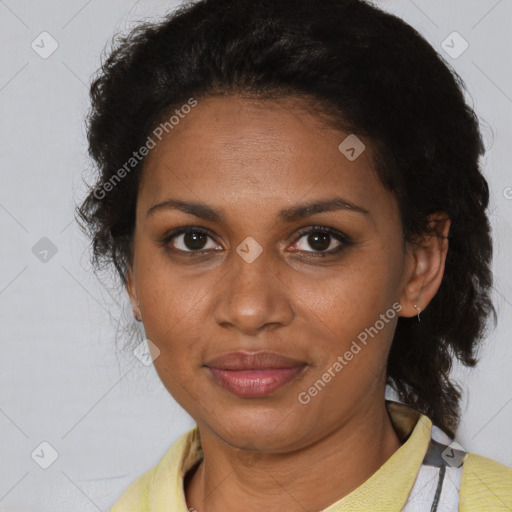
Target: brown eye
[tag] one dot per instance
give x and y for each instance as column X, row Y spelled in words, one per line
column 190, row 240
column 321, row 240
column 194, row 241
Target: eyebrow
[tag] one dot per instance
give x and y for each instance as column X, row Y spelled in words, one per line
column 292, row 214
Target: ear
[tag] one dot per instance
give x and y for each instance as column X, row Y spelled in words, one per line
column 132, row 293
column 425, row 260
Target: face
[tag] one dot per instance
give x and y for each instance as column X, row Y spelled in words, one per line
column 257, row 272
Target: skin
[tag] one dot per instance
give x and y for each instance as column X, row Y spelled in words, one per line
column 250, row 159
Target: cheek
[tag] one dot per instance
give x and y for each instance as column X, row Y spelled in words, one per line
column 351, row 340
column 347, row 306
column 171, row 298
column 354, row 294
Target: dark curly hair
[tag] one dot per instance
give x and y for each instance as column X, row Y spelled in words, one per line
column 373, row 75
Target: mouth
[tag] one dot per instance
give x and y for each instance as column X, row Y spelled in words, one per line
column 254, row 375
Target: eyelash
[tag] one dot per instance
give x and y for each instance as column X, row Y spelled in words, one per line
column 344, row 240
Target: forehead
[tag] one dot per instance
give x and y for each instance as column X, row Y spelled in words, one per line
column 233, row 151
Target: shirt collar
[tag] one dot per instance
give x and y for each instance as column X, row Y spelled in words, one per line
column 386, row 490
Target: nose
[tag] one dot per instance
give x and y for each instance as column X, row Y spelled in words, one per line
column 253, row 297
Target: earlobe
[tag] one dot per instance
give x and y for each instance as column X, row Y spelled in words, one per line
column 419, row 311
column 426, row 261
column 132, row 293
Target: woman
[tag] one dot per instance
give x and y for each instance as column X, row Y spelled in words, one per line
column 290, row 193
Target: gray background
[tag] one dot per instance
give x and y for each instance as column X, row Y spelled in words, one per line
column 62, row 379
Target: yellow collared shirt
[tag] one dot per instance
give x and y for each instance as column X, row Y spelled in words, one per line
column 485, row 486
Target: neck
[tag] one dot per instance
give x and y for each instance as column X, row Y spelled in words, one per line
column 308, row 479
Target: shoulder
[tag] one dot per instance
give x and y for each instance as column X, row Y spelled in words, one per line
column 161, row 487
column 485, row 485
column 136, row 496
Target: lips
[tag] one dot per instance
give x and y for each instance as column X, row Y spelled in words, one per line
column 252, row 375
column 253, row 361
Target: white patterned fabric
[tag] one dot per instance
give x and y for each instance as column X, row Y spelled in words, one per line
column 437, row 485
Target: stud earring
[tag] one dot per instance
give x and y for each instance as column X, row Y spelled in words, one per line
column 416, row 306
